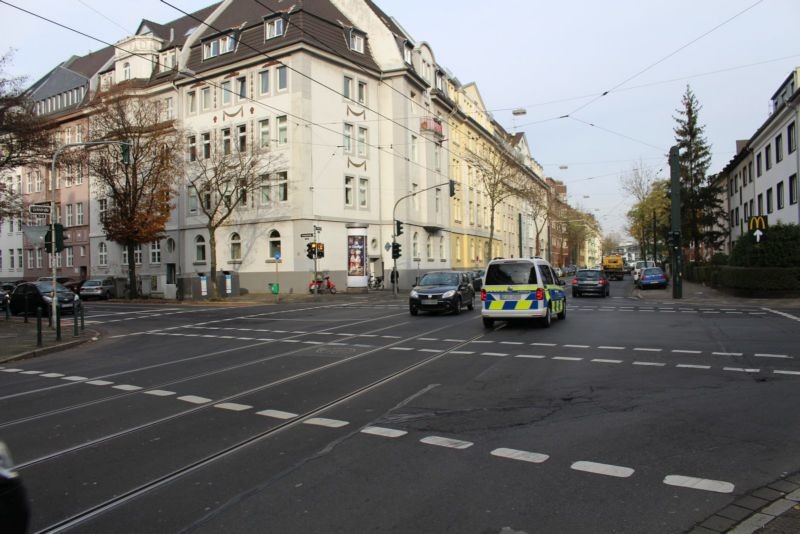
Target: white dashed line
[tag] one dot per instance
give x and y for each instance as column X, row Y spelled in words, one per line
column 605, row 347
column 762, row 355
column 651, row 364
column 641, row 349
column 777, row 372
column 603, row 469
column 577, row 346
column 462, row 352
column 194, row 399
column 401, row 348
column 383, row 432
column 31, row 372
column 726, row 353
column 567, row 358
column 428, row 339
column 525, row 456
column 277, row 414
column 429, row 350
column 543, row 344
column 455, row 340
column 74, row 378
column 232, row 406
column 446, row 442
column 17, row 371
column 322, row 421
column 682, row 351
column 127, row 387
column 531, row 356
column 99, row 382
column 511, row 343
column 690, row 366
column 493, row 354
column 159, row 393
column 699, row 483
column 601, row 360
column 740, row 369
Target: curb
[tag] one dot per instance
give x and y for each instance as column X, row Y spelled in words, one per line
column 755, row 510
column 93, row 336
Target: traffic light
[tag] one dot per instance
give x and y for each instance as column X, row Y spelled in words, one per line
column 48, row 239
column 398, row 228
column 675, row 239
column 320, row 250
column 311, row 250
column 395, row 251
column 452, row 188
column 126, row 153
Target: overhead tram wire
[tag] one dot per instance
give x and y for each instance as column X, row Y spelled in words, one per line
column 619, row 134
column 212, row 84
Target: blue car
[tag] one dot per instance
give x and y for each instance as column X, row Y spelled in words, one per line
column 652, row 277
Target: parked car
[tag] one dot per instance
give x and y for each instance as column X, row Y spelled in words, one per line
column 637, row 269
column 590, row 282
column 59, row 279
column 477, row 279
column 38, row 294
column 652, row 277
column 100, row 288
column 442, row 291
column 522, row 289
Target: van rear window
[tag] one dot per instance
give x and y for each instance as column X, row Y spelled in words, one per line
column 510, row 273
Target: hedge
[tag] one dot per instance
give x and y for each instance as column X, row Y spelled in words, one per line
column 761, row 279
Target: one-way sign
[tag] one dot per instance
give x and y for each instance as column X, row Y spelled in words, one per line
column 39, row 209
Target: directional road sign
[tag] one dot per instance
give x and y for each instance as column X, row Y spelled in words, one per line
column 758, row 226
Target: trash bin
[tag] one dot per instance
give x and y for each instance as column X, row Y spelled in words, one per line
column 275, row 288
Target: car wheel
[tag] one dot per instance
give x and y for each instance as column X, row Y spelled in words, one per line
column 563, row 313
column 488, row 322
column 471, row 304
column 108, row 295
column 547, row 319
column 413, row 310
column 457, row 306
column 575, row 294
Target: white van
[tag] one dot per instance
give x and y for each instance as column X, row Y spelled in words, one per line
column 638, row 266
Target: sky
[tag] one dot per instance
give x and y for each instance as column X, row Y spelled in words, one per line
column 554, row 59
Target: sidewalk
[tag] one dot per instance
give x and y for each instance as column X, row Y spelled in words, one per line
column 698, row 294
column 18, row 338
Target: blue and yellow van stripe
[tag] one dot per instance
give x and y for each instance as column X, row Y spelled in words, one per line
column 527, row 301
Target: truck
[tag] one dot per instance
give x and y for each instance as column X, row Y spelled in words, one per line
column 614, row 266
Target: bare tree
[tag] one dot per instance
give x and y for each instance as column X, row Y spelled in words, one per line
column 140, row 193
column 542, row 210
column 229, row 178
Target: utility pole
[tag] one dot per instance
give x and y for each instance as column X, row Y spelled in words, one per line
column 655, row 239
column 675, row 234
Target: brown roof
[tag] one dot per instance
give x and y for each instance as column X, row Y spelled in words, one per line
column 178, row 27
column 89, row 64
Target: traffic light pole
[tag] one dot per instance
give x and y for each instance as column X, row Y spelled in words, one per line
column 675, row 198
column 59, row 150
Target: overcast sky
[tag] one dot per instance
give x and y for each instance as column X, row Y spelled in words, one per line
column 548, row 57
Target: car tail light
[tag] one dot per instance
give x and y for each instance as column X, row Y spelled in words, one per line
column 663, row 276
column 575, row 281
column 602, row 281
column 483, row 295
column 540, row 294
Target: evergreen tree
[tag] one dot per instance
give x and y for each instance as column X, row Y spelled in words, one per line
column 702, row 214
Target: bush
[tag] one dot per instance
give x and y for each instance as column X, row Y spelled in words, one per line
column 777, row 281
column 780, row 248
column 720, row 259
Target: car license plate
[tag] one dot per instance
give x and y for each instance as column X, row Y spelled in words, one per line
column 429, row 302
column 511, row 296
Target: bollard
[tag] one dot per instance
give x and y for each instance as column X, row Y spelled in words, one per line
column 58, row 323
column 83, row 325
column 38, row 326
column 75, row 320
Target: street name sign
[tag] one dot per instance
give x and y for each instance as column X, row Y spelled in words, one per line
column 39, row 209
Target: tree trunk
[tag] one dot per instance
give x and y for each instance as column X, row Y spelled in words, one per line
column 212, row 249
column 133, row 290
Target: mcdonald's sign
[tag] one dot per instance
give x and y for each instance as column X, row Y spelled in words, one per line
column 759, row 222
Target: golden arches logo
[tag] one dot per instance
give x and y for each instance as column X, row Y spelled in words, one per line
column 758, row 223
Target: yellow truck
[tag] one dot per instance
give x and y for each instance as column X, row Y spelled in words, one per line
column 614, row 266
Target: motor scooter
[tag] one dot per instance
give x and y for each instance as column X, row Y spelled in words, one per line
column 323, row 284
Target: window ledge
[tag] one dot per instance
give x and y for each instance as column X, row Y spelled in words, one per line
column 198, row 263
column 272, row 260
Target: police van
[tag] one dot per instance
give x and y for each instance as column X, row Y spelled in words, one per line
column 522, row 288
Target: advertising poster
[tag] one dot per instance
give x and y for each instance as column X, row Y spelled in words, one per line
column 356, row 254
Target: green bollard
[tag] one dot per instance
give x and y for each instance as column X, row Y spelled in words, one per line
column 58, row 323
column 38, row 326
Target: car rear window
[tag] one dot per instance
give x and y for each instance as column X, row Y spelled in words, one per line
column 510, row 273
column 90, row 283
column 588, row 275
column 653, row 270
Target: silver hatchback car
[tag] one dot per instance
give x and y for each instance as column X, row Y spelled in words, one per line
column 99, row 288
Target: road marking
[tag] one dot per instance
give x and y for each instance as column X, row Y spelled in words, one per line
column 46, row 375
column 525, row 456
column 74, row 378
column 277, row 414
column 606, row 347
column 699, row 483
column 428, row 350
column 543, row 344
column 577, row 346
column 322, row 421
column 455, row 340
column 306, row 342
column 446, row 442
column 127, row 387
column 602, row 469
column 428, row 339
column 712, row 312
column 726, row 353
column 194, row 399
column 762, row 355
column 601, row 360
column 777, row 372
column 232, row 406
column 493, row 354
column 735, row 313
column 159, row 392
column 652, row 364
column 482, row 341
column 533, row 356
column 690, row 366
column 567, row 358
column 99, row 382
column 31, row 372
column 511, row 343
column 682, row 351
column 401, row 348
column 646, row 350
column 17, row 371
column 740, row 369
column 383, row 432
column 783, row 314
column 462, row 352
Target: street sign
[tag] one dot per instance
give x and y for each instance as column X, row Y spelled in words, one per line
column 40, row 209
column 277, row 256
column 757, row 225
column 306, row 235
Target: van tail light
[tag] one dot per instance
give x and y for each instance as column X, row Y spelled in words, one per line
column 602, row 281
column 540, row 294
column 575, row 281
column 483, row 295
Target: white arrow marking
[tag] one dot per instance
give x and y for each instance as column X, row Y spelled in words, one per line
column 758, row 234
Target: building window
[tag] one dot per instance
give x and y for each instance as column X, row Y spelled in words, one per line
column 169, row 109
column 761, row 204
column 241, row 134
column 768, row 157
column 415, row 245
column 758, row 164
column 769, row 200
column 274, row 188
column 102, row 254
column 192, row 143
column 363, row 193
column 192, row 204
column 205, row 98
column 348, row 138
column 791, row 137
column 241, row 87
column 79, row 214
column 407, row 50
column 70, row 257
column 414, row 152
column 137, row 254
column 236, row 247
column 38, row 181
column 102, row 207
column 10, row 259
column 126, row 71
column 155, row 252
column 779, row 148
column 779, row 194
column 429, row 247
column 206, row 145
column 361, row 96
column 437, row 198
column 349, row 184
column 793, row 189
column 361, row 147
column 274, row 243
column 263, row 133
column 220, row 45
column 263, row 82
column 30, row 259
column 356, row 42
column 200, row 249
column 226, row 141
column 283, row 130
column 441, row 248
column 69, row 215
column 191, row 102
column 274, row 28
column 283, row 81
column 347, row 88
column 227, row 94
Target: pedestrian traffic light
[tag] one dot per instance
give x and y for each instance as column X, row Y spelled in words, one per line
column 398, row 228
column 59, row 240
column 452, row 188
column 395, row 251
column 126, row 153
column 311, row 249
column 320, row 250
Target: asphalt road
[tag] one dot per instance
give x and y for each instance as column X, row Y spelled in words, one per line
column 353, row 416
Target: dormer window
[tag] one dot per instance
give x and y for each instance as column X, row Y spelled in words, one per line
column 356, row 41
column 220, row 45
column 407, row 50
column 126, row 71
column 274, row 28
